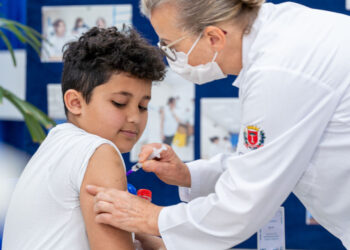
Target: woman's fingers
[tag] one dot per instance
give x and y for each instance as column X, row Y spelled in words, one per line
column 149, row 166
column 104, row 196
column 104, row 218
column 103, row 207
column 147, row 150
column 126, row 211
column 93, row 190
column 154, row 166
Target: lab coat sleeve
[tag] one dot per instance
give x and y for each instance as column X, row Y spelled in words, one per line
column 293, row 110
column 204, row 175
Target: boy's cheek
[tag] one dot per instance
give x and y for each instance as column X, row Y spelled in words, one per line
column 143, row 124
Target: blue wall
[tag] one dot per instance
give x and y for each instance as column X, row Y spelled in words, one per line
column 15, row 10
column 298, row 235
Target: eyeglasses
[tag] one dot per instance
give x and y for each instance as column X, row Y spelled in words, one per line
column 167, row 51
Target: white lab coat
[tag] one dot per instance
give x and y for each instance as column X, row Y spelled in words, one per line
column 295, row 135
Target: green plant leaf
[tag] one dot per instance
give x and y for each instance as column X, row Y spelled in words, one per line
column 24, row 27
column 32, row 37
column 15, row 101
column 30, row 34
column 44, row 120
column 27, row 120
column 35, row 130
column 15, row 31
column 33, row 117
column 9, row 47
column 30, row 109
column 1, row 95
column 24, row 33
column 34, row 46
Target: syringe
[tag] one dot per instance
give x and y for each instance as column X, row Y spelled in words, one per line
column 155, row 154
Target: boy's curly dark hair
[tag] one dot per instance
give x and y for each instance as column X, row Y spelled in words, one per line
column 99, row 53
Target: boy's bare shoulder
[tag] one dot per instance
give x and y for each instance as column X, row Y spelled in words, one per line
column 107, row 152
column 106, row 168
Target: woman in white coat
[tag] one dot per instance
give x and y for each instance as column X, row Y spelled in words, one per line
column 293, row 73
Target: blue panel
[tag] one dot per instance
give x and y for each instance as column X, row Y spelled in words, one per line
column 15, row 10
column 1, row 229
column 13, row 132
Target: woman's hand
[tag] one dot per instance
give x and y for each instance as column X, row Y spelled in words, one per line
column 150, row 242
column 125, row 211
column 169, row 168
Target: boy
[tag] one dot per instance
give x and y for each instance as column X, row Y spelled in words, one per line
column 106, row 84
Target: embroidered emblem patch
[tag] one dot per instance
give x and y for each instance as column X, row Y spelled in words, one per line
column 254, row 137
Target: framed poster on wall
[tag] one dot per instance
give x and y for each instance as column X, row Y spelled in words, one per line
column 170, row 117
column 220, row 126
column 62, row 24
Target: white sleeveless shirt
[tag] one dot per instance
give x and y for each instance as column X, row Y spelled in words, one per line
column 44, row 211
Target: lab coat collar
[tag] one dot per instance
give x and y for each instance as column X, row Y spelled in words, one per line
column 249, row 39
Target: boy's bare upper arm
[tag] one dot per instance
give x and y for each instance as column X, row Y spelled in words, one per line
column 105, row 169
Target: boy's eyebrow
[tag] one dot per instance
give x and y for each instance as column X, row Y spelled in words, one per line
column 147, row 97
column 122, row 93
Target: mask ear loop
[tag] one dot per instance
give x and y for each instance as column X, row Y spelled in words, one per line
column 215, row 55
column 194, row 45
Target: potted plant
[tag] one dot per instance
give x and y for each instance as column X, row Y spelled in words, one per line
column 33, row 117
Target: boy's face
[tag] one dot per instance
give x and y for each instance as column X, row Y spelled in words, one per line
column 117, row 110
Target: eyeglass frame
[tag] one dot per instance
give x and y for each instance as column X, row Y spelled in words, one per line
column 165, row 48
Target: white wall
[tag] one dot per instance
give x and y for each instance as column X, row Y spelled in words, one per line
column 13, row 79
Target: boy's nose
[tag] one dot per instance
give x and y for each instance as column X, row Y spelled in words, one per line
column 133, row 115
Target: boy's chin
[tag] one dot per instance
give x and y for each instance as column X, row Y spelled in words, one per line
column 124, row 151
column 124, row 148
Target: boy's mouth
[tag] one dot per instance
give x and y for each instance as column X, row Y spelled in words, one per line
column 129, row 133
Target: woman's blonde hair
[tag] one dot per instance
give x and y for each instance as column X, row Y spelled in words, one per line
column 195, row 15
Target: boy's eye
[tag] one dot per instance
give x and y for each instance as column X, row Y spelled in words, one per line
column 119, row 105
column 142, row 108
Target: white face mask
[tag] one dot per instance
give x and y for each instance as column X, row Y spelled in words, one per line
column 199, row 74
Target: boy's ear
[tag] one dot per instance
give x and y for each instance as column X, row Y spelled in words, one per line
column 74, row 101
